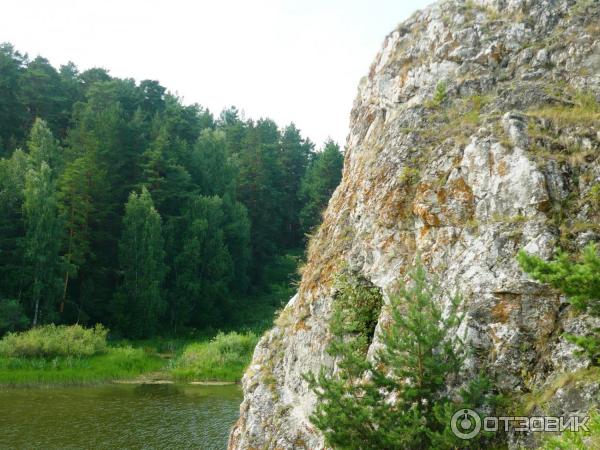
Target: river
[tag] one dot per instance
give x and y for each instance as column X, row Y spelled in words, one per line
column 118, row 417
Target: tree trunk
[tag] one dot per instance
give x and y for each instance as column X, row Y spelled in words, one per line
column 35, row 313
column 62, row 303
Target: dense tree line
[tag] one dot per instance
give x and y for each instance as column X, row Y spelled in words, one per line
column 121, row 205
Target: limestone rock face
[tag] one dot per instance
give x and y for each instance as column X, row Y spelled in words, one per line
column 475, row 134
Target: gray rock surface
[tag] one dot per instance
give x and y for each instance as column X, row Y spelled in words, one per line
column 505, row 161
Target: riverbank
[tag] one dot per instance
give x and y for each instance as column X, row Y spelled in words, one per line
column 116, row 364
column 220, row 360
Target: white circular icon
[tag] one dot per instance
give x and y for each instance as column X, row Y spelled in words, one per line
column 466, row 424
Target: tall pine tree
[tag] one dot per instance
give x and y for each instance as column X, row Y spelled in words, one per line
column 139, row 303
column 320, row 180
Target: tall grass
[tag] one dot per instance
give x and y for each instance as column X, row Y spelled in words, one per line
column 585, row 111
column 115, row 363
column 222, row 359
column 62, row 355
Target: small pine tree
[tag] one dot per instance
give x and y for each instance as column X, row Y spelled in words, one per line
column 345, row 400
column 397, row 400
column 577, row 278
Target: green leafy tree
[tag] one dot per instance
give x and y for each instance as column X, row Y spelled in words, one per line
column 210, row 166
column 43, row 147
column 259, row 175
column 203, row 267
column 322, row 177
column 103, row 137
column 236, row 232
column 398, row 399
column 77, row 185
column 139, row 303
column 294, row 156
column 43, row 231
column 168, row 180
column 14, row 119
column 102, row 133
column 579, row 279
column 12, row 227
column 44, row 95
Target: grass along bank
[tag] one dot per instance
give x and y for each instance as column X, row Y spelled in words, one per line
column 115, row 364
column 223, row 358
column 73, row 355
column 49, row 355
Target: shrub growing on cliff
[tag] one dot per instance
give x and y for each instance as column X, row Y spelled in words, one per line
column 395, row 400
column 440, row 94
column 50, row 341
column 579, row 279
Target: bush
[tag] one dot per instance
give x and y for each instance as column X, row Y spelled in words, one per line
column 223, row 359
column 50, row 341
column 439, row 96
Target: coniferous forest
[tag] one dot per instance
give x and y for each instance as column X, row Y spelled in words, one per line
column 121, row 205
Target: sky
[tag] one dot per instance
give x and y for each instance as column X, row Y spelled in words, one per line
column 293, row 61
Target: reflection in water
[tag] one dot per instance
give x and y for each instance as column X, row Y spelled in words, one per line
column 118, row 417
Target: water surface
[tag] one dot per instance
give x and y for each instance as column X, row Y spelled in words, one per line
column 118, row 417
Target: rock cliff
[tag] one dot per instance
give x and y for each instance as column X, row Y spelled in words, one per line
column 475, row 134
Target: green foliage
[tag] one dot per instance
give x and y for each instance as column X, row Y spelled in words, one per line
column 41, row 244
column 43, row 147
column 294, row 158
column 204, row 266
column 12, row 317
column 139, row 302
column 439, row 96
column 115, row 364
column 577, row 278
column 228, row 194
column 77, row 185
column 577, row 440
column 12, row 227
column 409, row 175
column 256, row 312
column 355, row 313
column 420, row 355
column 322, row 176
column 594, row 197
column 49, row 341
column 222, row 359
column 583, row 109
